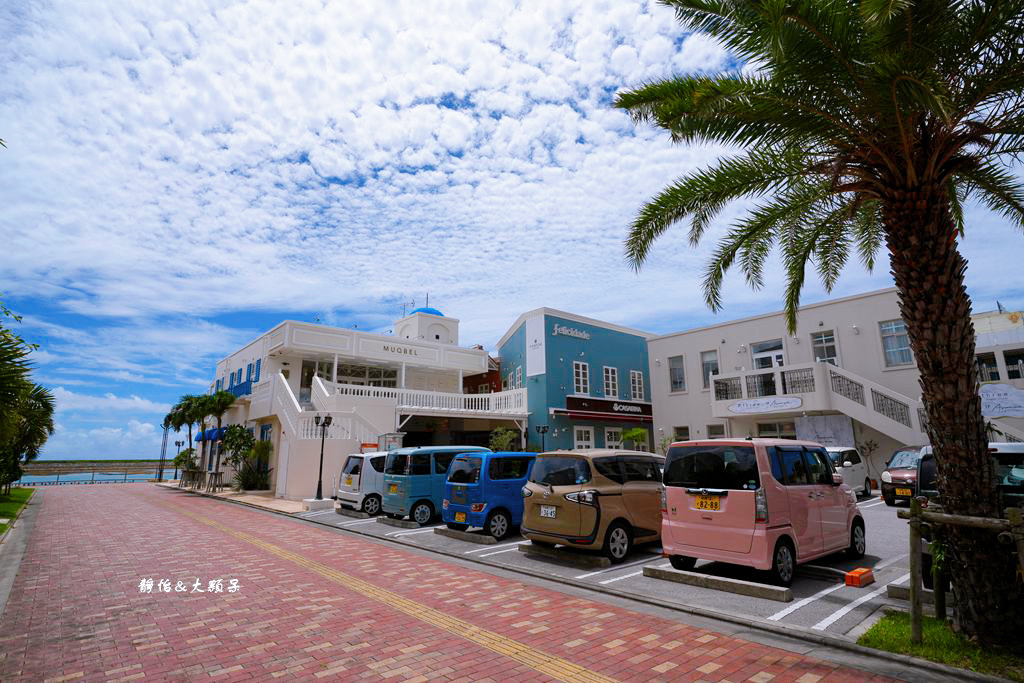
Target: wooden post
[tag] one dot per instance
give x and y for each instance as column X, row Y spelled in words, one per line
column 915, row 571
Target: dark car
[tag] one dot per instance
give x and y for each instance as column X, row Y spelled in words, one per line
column 899, row 480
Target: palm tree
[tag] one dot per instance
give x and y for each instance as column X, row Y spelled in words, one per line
column 865, row 123
column 31, row 426
column 219, row 404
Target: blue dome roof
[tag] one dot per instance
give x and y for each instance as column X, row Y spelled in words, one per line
column 427, row 309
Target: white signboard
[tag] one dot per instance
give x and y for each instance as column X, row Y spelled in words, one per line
column 769, row 404
column 828, row 430
column 535, row 360
column 1002, row 400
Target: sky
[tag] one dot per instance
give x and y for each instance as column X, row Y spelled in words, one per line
column 180, row 177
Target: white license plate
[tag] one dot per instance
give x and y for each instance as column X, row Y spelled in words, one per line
column 547, row 511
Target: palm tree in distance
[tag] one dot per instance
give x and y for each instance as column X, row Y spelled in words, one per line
column 865, row 123
column 219, row 404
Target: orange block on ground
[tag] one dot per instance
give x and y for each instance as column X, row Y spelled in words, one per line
column 860, row 577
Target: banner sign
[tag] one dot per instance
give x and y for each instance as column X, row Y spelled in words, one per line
column 1002, row 400
column 595, row 405
column 766, row 405
column 828, row 430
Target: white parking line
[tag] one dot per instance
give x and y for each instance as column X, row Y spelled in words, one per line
column 490, row 547
column 843, row 611
column 361, row 521
column 307, row 515
column 806, row 601
column 870, row 505
column 891, row 560
column 612, row 569
column 626, row 576
column 416, row 531
column 498, row 552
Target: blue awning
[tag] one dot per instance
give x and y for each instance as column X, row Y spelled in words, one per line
column 199, row 437
column 219, row 433
column 210, row 434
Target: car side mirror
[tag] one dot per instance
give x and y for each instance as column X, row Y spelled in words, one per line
column 837, row 479
column 847, row 463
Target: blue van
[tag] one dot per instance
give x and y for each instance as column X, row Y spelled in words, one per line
column 485, row 490
column 414, row 480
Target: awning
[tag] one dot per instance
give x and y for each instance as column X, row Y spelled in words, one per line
column 199, row 436
column 613, row 417
column 210, row 434
column 219, row 433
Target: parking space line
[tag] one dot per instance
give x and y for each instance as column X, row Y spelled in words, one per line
column 843, row 611
column 891, row 560
column 498, row 552
column 870, row 505
column 490, row 547
column 361, row 521
column 615, row 568
column 626, row 576
column 415, row 531
column 806, row 601
column 317, row 513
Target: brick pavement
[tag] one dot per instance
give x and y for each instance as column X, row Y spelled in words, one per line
column 318, row 605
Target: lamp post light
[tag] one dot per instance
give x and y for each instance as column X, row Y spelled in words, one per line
column 179, row 444
column 323, row 424
column 542, row 430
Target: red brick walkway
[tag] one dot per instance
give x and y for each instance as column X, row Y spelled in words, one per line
column 315, row 604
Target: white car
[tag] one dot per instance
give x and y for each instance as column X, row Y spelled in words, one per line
column 361, row 482
column 848, row 463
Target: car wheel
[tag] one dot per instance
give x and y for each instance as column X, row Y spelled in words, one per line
column 421, row 513
column 783, row 564
column 890, row 500
column 867, row 487
column 371, row 505
column 618, row 541
column 457, row 527
column 498, row 524
column 858, row 540
column 682, row 562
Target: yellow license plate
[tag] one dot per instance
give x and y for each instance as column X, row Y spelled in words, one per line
column 392, row 488
column 460, row 516
column 709, row 503
column 904, row 492
column 348, row 481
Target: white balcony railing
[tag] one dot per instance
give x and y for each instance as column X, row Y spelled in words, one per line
column 499, row 403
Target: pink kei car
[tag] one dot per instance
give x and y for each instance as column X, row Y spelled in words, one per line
column 764, row 503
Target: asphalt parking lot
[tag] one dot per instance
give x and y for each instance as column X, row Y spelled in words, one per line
column 819, row 603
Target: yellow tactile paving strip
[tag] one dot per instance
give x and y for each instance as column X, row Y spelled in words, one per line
column 550, row 665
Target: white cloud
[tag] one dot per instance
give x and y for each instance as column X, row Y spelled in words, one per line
column 70, row 402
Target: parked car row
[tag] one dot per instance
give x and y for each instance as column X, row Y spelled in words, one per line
column 770, row 504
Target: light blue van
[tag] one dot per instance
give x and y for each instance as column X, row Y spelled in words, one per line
column 414, row 480
column 486, row 490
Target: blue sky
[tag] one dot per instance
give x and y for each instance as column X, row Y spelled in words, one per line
column 181, row 176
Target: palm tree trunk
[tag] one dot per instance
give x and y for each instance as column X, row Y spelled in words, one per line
column 929, row 272
column 217, row 467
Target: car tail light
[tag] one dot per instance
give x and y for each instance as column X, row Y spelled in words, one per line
column 664, row 500
column 478, row 507
column 444, row 504
column 760, row 506
column 588, row 497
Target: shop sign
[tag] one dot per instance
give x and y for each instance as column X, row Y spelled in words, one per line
column 567, row 331
column 766, row 405
column 1002, row 400
column 400, row 350
column 595, row 405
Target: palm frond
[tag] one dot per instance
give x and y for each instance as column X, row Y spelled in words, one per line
column 998, row 189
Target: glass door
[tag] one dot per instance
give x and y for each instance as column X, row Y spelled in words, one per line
column 306, row 381
column 767, row 354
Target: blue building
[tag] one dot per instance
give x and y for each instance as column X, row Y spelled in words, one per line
column 586, row 380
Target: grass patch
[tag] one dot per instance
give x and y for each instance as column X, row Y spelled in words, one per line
column 940, row 644
column 12, row 503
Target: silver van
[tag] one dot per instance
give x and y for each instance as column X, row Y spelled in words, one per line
column 361, row 482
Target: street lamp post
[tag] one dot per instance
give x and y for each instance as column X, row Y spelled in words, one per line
column 179, row 444
column 323, row 424
column 542, row 430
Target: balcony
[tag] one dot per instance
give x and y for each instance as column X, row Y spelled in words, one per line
column 795, row 388
column 243, row 389
column 502, row 404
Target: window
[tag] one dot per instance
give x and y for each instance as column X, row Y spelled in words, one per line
column 584, row 437
column 580, row 377
column 611, row 382
column 397, row 463
column 681, row 433
column 823, row 345
column 708, row 365
column 248, row 373
column 818, row 466
column 378, row 463
column 441, row 462
column 610, row 468
column 559, row 470
column 483, row 389
column 716, row 431
column 509, row 468
column 217, row 386
column 353, row 466
column 988, row 371
column 1014, row 363
column 238, row 376
column 714, row 467
column 504, row 384
column 519, row 377
column 640, row 469
column 676, row 374
column 612, row 437
column 419, row 463
column 794, row 470
column 232, row 380
column 853, row 457
column 265, row 431
column 256, row 374
column 895, row 343
column 636, row 385
column 465, row 471
column 767, row 354
column 777, row 430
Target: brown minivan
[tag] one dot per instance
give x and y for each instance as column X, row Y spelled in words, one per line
column 594, row 498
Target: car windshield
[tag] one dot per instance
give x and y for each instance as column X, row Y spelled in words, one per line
column 353, row 466
column 465, row 471
column 397, row 463
column 834, row 457
column 558, row 470
column 712, row 467
column 905, row 459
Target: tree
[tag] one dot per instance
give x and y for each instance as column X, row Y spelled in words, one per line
column 865, row 123
column 238, row 443
column 218, row 405
column 635, row 435
column 503, row 439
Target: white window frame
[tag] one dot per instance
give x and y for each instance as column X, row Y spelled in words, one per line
column 580, row 377
column 725, row 432
column 576, row 442
column 519, row 377
column 883, row 334
column 675, row 430
column 611, row 382
column 706, row 374
column 682, row 366
column 636, row 385
column 612, row 444
column 834, row 344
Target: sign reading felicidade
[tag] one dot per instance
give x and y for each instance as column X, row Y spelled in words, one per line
column 1001, row 400
column 765, row 405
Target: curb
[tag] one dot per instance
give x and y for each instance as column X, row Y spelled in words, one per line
column 400, row 523
column 566, row 557
column 752, row 622
column 749, row 588
column 466, row 536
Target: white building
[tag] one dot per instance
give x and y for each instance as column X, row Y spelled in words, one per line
column 371, row 385
column 846, row 377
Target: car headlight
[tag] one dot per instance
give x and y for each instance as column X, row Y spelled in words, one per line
column 527, row 492
column 886, row 477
